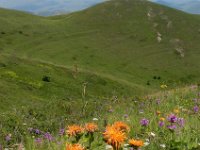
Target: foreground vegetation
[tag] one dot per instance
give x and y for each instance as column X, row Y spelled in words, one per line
column 166, row 120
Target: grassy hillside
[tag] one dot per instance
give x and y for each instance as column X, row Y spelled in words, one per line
column 117, row 38
column 130, row 47
column 23, row 83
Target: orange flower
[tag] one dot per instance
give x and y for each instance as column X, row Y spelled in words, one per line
column 158, row 112
column 121, row 126
column 91, row 127
column 114, row 137
column 74, row 130
column 162, row 119
column 136, row 143
column 74, row 147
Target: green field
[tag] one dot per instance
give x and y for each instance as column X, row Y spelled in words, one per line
column 118, row 50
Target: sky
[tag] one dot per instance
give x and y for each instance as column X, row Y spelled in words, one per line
column 190, row 6
column 52, row 7
column 48, row 7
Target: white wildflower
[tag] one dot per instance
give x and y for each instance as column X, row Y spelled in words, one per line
column 146, row 143
column 95, row 119
column 162, row 145
column 108, row 147
column 152, row 134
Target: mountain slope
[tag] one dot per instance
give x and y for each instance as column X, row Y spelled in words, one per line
column 134, row 42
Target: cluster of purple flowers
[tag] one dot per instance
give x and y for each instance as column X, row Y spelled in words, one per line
column 174, row 121
column 144, row 122
column 34, row 131
column 45, row 136
column 48, row 136
column 172, row 118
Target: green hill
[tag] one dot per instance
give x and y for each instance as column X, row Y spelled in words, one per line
column 120, row 47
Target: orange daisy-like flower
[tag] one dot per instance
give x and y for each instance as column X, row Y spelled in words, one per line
column 91, row 127
column 74, row 130
column 136, row 143
column 121, row 126
column 114, row 137
column 74, row 147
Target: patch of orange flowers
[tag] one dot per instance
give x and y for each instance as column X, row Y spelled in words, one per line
column 74, row 130
column 114, row 137
column 74, row 147
column 136, row 143
column 91, row 127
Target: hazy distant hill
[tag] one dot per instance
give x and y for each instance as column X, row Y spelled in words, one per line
column 54, row 7
column 191, row 6
column 48, row 7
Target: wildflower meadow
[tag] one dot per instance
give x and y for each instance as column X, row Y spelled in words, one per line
column 166, row 120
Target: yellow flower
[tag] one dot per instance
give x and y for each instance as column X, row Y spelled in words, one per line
column 121, row 126
column 114, row 137
column 163, row 86
column 74, row 147
column 74, row 130
column 162, row 119
column 136, row 143
column 176, row 111
column 91, row 127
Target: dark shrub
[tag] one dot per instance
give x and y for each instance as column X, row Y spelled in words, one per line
column 154, row 77
column 46, row 79
column 2, row 65
column 74, row 58
column 148, row 83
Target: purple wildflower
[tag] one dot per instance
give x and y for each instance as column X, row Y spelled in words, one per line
column 158, row 101
column 172, row 118
column 8, row 138
column 196, row 109
column 126, row 116
column 37, row 131
column 110, row 110
column 195, row 100
column 38, row 141
column 48, row 136
column 161, row 123
column 59, row 143
column 144, row 122
column 181, row 122
column 171, row 127
column 62, row 132
column 30, row 130
column 193, row 86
